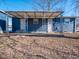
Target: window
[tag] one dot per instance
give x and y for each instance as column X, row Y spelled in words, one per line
column 66, row 20
column 35, row 21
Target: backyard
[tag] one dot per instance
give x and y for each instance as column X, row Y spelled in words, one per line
column 38, row 47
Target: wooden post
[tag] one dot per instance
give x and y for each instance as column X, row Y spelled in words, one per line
column 27, row 25
column 7, row 28
column 7, row 24
column 23, row 25
column 74, row 25
column 50, row 23
column 61, row 21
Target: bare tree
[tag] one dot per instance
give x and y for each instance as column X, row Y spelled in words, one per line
column 48, row 5
column 44, row 5
column 76, row 9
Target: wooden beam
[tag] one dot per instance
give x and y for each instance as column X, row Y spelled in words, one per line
column 35, row 14
column 19, row 15
column 27, row 14
column 13, row 15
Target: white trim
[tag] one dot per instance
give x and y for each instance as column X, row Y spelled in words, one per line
column 50, row 25
column 74, row 25
column 44, row 24
column 6, row 23
column 23, row 25
column 76, row 22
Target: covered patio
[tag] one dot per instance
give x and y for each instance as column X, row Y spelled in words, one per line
column 33, row 21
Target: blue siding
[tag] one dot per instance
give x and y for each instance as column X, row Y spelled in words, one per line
column 68, row 25
column 76, row 25
column 27, row 25
column 3, row 21
column 57, row 25
column 3, row 25
column 64, row 25
column 37, row 27
column 45, row 25
column 15, row 24
column 73, row 19
column 2, row 16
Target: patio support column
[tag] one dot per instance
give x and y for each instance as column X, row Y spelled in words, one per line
column 23, row 25
column 50, row 22
column 61, row 20
column 7, row 24
column 27, row 24
column 74, row 25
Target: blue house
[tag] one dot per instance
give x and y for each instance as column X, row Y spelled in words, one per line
column 33, row 21
column 38, row 22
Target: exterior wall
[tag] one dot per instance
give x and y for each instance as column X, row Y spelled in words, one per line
column 16, row 25
column 68, row 25
column 27, row 25
column 23, row 25
column 56, row 25
column 5, row 22
column 40, row 27
column 64, row 25
column 8, row 24
column 50, row 26
column 44, row 25
column 77, row 25
column 2, row 22
column 2, row 26
column 2, row 16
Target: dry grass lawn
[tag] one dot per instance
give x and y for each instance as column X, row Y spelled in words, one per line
column 31, row 47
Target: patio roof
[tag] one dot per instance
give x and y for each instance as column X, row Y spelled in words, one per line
column 34, row 14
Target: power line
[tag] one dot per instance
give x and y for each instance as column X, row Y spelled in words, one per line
column 72, row 9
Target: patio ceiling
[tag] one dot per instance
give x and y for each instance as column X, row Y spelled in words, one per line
column 34, row 14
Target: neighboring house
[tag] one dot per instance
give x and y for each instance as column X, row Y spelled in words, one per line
column 41, row 22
